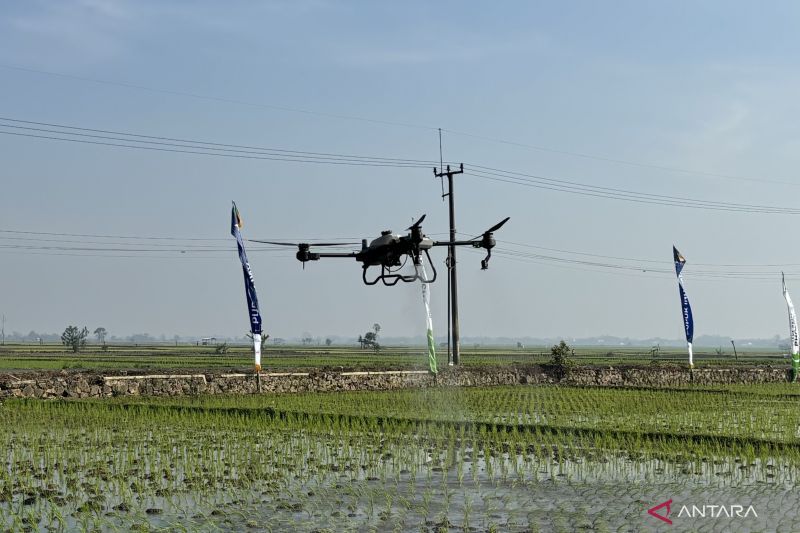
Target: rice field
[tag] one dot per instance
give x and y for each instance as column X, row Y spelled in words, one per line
column 523, row 458
column 15, row 357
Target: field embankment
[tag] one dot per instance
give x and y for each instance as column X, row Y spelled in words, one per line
column 98, row 384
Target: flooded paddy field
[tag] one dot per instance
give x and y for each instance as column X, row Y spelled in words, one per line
column 544, row 458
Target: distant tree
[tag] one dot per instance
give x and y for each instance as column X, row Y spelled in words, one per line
column 328, row 341
column 520, row 345
column 561, row 359
column 74, row 338
column 307, row 340
column 101, row 333
column 141, row 338
column 376, row 328
column 560, row 353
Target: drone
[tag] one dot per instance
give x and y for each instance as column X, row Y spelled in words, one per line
column 390, row 252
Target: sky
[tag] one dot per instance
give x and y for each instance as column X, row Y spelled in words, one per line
column 687, row 100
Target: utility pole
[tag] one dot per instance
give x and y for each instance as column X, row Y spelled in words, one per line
column 451, row 259
column 735, row 355
column 4, row 330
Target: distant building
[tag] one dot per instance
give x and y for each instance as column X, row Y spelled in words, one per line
column 206, row 341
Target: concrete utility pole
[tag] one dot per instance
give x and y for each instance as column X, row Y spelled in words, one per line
column 451, row 260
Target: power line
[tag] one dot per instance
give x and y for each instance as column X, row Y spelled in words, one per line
column 131, row 249
column 188, row 143
column 162, row 238
column 134, row 141
column 194, row 258
column 657, row 261
column 570, row 153
column 629, row 271
column 81, row 248
column 572, row 187
column 174, row 245
column 199, row 151
column 640, row 164
column 162, row 246
column 526, row 178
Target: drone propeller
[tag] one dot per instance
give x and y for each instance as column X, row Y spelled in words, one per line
column 498, row 225
column 417, row 223
column 491, row 230
column 305, row 244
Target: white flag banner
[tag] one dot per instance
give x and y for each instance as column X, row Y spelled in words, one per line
column 794, row 337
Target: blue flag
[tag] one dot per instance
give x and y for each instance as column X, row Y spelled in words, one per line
column 249, row 285
column 688, row 321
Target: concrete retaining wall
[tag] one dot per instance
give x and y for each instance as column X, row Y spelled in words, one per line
column 96, row 385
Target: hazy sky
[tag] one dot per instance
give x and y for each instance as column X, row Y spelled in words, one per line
column 702, row 97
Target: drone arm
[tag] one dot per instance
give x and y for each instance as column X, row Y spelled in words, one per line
column 486, row 242
column 476, row 244
column 318, row 255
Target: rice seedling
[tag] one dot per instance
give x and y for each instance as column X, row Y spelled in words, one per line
column 373, row 460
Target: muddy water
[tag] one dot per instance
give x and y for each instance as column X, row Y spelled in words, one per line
column 504, row 494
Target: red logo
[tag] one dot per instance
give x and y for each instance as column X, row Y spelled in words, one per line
column 653, row 511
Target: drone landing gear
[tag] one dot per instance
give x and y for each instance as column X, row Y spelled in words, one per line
column 391, row 278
